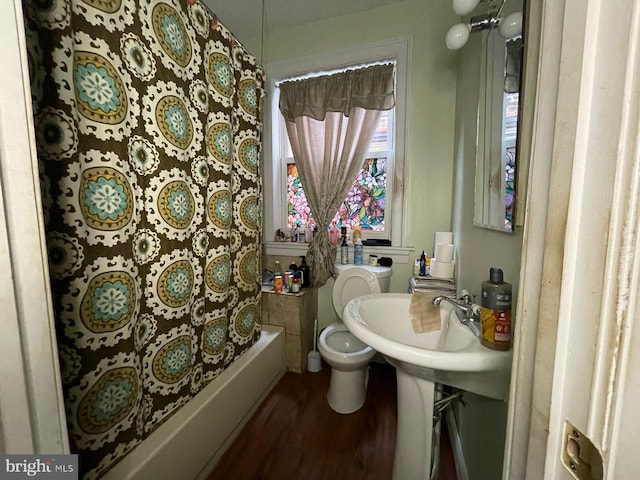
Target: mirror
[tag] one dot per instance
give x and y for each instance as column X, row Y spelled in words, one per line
column 498, row 106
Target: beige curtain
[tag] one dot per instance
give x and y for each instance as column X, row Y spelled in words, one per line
column 330, row 122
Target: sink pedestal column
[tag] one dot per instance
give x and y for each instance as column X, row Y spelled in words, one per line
column 412, row 458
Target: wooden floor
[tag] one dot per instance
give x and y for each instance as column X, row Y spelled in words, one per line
column 295, row 435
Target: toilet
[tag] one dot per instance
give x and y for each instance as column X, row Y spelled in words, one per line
column 347, row 356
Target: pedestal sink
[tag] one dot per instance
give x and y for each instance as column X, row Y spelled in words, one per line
column 451, row 356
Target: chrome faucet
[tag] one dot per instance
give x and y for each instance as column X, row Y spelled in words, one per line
column 466, row 310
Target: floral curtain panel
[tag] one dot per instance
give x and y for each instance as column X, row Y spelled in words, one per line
column 148, row 123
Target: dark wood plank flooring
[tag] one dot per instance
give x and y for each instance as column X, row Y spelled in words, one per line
column 294, row 434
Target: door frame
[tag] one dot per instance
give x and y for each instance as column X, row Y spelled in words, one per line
column 32, row 415
column 581, row 255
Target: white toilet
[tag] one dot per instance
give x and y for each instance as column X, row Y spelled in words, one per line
column 346, row 354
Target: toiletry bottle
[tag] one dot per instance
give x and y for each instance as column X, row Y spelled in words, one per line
column 294, row 233
column 306, row 272
column 344, row 251
column 495, row 313
column 277, row 283
column 276, row 268
column 357, row 234
column 423, row 264
column 333, row 233
column 298, row 276
column 358, row 251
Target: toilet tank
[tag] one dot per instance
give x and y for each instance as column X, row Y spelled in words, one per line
column 383, row 274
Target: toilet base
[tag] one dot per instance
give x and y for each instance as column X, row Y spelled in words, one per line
column 348, row 389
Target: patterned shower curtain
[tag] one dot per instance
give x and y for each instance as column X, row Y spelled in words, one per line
column 147, row 116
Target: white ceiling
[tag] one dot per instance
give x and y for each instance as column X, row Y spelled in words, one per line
column 244, row 17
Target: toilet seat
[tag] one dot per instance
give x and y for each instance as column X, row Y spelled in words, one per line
column 352, row 283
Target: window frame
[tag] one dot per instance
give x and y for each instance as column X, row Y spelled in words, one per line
column 274, row 175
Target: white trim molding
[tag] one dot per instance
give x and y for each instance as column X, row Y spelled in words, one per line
column 32, row 418
column 527, row 419
column 577, row 350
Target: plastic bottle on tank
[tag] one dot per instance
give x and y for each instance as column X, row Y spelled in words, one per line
column 344, row 251
column 358, row 252
column 334, row 233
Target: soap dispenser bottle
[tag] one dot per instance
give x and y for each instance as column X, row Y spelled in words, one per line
column 495, row 313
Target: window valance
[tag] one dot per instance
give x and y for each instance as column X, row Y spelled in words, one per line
column 370, row 88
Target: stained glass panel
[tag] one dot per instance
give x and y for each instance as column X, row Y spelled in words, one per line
column 510, row 180
column 298, row 211
column 509, row 137
column 363, row 206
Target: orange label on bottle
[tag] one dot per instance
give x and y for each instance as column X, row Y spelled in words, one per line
column 496, row 325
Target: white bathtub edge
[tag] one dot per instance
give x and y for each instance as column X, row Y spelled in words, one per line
column 190, row 443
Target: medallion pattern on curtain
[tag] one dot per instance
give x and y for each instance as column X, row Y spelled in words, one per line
column 147, row 117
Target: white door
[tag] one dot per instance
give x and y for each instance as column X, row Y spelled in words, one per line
column 577, row 373
column 31, row 404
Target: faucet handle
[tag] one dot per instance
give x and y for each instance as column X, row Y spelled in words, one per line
column 466, row 297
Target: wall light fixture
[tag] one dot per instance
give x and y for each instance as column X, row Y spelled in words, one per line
column 509, row 26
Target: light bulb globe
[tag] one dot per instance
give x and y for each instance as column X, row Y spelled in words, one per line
column 464, row 7
column 457, row 36
column 511, row 26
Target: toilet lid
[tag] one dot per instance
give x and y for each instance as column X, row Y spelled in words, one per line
column 353, row 283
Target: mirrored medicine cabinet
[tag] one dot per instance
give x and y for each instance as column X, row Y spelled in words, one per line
column 497, row 134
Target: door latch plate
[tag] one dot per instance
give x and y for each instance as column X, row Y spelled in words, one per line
column 580, row 456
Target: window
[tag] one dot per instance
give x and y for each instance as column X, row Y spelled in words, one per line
column 384, row 162
column 364, row 205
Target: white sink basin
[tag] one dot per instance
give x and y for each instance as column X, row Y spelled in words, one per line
column 450, row 356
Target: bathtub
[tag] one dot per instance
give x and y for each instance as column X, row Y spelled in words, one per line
column 190, row 443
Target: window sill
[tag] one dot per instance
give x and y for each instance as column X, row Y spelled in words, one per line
column 400, row 255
